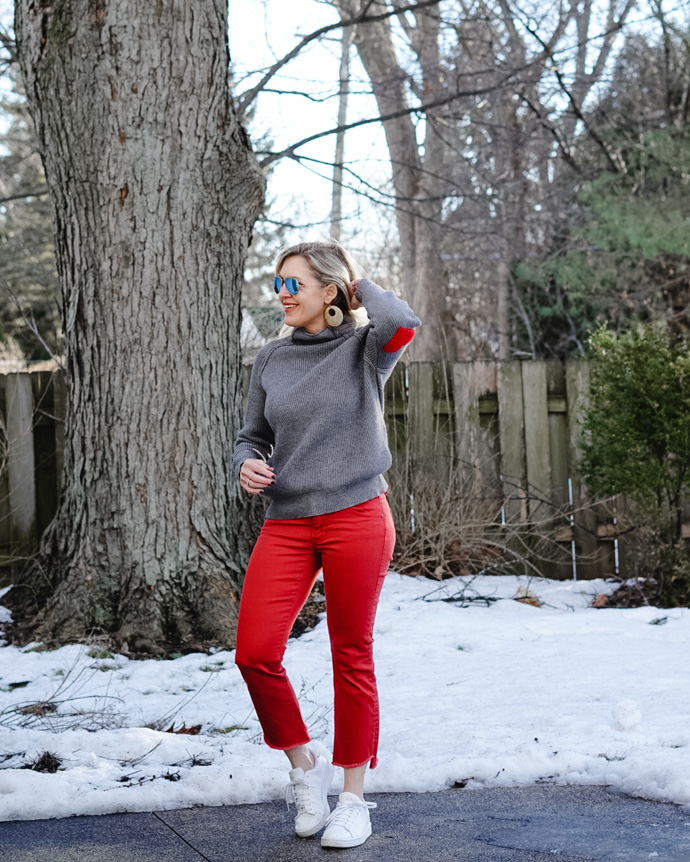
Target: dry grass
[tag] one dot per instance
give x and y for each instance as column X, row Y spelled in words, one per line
column 445, row 531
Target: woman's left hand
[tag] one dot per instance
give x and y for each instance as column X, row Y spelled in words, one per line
column 354, row 302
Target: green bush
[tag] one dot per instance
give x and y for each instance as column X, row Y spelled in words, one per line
column 637, row 444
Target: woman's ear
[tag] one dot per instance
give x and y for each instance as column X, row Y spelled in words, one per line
column 331, row 291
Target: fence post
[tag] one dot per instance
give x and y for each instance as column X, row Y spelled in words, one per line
column 60, row 411
column 536, row 438
column 476, row 410
column 396, row 410
column 421, row 418
column 511, row 429
column 593, row 558
column 20, row 467
column 561, row 566
column 45, row 422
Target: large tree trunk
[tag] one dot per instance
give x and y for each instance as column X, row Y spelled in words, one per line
column 155, row 190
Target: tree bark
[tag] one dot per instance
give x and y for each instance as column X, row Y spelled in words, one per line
column 481, row 46
column 429, row 294
column 417, row 199
column 154, row 192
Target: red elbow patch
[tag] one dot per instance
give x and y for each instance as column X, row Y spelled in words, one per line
column 402, row 337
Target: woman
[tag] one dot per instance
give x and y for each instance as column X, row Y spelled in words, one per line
column 314, row 442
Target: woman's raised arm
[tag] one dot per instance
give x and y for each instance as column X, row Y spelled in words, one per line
column 392, row 324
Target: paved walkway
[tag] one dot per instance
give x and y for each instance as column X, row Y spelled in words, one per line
column 529, row 824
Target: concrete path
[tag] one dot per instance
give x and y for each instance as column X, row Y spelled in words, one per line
column 529, row 824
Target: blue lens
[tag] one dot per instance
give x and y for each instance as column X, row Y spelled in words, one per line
column 291, row 283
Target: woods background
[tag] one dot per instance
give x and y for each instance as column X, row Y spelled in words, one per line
column 536, row 185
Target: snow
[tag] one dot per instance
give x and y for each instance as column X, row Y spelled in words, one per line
column 490, row 693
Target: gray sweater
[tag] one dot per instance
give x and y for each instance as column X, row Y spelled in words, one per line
column 315, row 409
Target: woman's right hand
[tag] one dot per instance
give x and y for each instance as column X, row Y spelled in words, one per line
column 256, row 475
column 354, row 302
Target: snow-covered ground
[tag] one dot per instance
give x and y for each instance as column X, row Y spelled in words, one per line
column 503, row 693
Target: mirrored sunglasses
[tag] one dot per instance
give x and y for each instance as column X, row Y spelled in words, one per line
column 291, row 283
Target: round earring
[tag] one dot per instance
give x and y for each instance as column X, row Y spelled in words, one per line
column 333, row 315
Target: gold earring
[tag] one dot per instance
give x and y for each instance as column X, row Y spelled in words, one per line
column 333, row 315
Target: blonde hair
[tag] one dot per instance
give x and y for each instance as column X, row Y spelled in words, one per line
column 331, row 264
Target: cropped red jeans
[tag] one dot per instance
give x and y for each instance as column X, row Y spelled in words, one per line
column 354, row 546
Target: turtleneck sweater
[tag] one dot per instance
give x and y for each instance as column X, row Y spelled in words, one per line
column 314, row 410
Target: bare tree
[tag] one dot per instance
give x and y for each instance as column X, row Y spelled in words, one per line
column 482, row 76
column 154, row 191
column 415, row 178
column 515, row 178
column 343, row 91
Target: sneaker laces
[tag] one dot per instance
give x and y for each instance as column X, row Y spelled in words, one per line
column 298, row 792
column 344, row 813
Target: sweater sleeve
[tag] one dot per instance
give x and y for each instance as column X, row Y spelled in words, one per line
column 392, row 324
column 255, row 439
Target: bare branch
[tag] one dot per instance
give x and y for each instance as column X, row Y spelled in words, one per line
column 386, row 199
column 383, row 198
column 247, row 98
column 563, row 21
column 562, row 143
column 575, row 103
column 318, row 99
column 416, row 89
column 18, row 197
column 582, row 23
column 32, row 325
column 603, row 146
column 382, row 118
column 514, row 39
column 612, row 29
column 9, row 44
column 548, row 45
column 411, row 32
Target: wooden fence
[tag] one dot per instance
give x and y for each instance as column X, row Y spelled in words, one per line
column 32, row 410
column 507, row 433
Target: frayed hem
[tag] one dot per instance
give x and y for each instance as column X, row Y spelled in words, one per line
column 286, row 747
column 371, row 761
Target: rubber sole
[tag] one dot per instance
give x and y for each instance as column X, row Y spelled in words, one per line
column 314, row 829
column 345, row 842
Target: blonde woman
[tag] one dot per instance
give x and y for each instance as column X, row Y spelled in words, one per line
column 314, row 442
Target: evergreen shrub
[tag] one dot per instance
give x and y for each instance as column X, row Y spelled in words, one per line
column 637, row 444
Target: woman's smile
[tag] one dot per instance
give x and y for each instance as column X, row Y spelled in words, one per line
column 307, row 311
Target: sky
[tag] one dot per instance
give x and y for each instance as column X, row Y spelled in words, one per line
column 262, row 31
column 492, row 691
column 259, row 33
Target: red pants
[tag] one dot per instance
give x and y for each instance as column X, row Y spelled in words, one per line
column 354, row 546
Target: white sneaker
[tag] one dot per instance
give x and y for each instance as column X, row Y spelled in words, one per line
column 348, row 824
column 309, row 791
